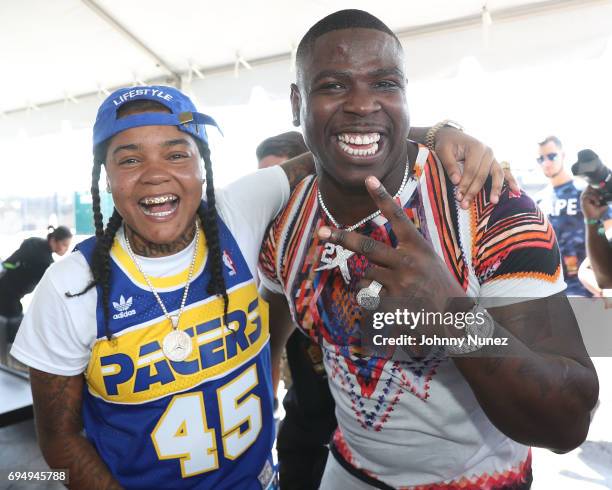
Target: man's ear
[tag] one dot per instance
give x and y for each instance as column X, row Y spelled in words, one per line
column 296, row 103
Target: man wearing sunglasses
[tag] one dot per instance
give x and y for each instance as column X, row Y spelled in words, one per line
column 561, row 202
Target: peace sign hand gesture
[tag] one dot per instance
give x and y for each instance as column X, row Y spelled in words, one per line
column 411, row 272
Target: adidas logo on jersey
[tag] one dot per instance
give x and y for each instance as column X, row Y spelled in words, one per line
column 123, row 307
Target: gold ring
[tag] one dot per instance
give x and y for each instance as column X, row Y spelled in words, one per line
column 505, row 165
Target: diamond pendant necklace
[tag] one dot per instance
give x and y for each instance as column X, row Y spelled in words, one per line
column 338, row 252
column 176, row 345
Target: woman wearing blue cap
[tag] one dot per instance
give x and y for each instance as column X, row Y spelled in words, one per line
column 152, row 336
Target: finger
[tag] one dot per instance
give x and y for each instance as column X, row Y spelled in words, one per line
column 449, row 162
column 404, row 229
column 377, row 252
column 497, row 181
column 511, row 181
column 590, row 192
column 473, row 159
column 376, row 273
column 479, row 178
column 597, row 199
column 590, row 195
column 383, row 276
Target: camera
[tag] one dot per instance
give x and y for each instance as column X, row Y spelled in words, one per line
column 591, row 168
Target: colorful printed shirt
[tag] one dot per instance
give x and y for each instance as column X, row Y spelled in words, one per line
column 414, row 424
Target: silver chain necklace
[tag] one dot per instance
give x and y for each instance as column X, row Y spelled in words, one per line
column 177, row 344
column 339, row 253
column 367, row 218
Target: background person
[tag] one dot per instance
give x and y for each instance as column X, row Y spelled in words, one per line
column 25, row 267
column 20, row 274
column 280, row 148
column 598, row 247
column 305, row 432
column 561, row 203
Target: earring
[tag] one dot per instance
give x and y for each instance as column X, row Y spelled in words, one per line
column 108, row 187
column 296, row 121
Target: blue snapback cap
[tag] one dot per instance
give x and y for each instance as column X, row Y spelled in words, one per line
column 183, row 113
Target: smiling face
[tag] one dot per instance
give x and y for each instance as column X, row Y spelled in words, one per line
column 351, row 102
column 156, row 180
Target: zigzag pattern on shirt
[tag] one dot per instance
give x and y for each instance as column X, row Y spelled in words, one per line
column 444, row 209
column 499, row 232
column 515, row 478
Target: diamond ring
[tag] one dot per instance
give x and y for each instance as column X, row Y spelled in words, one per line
column 369, row 297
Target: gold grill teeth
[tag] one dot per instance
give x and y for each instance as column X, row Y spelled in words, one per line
column 158, row 200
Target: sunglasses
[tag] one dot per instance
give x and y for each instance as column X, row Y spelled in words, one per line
column 549, row 156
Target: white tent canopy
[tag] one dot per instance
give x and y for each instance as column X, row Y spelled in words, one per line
column 84, row 46
column 61, row 50
column 60, row 58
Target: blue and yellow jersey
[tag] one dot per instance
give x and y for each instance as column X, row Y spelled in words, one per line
column 206, row 422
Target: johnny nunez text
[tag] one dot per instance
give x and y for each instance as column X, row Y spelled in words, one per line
column 436, row 340
column 412, row 319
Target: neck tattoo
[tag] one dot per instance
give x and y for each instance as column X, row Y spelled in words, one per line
column 339, row 253
column 148, row 249
column 177, row 345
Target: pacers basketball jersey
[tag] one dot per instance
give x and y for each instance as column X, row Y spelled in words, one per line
column 205, row 422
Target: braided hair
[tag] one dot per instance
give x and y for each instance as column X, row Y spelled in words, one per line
column 100, row 263
column 208, row 216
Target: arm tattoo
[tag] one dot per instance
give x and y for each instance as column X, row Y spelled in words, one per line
column 57, row 409
column 298, row 168
column 368, row 245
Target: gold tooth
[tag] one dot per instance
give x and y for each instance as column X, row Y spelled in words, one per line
column 158, row 200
